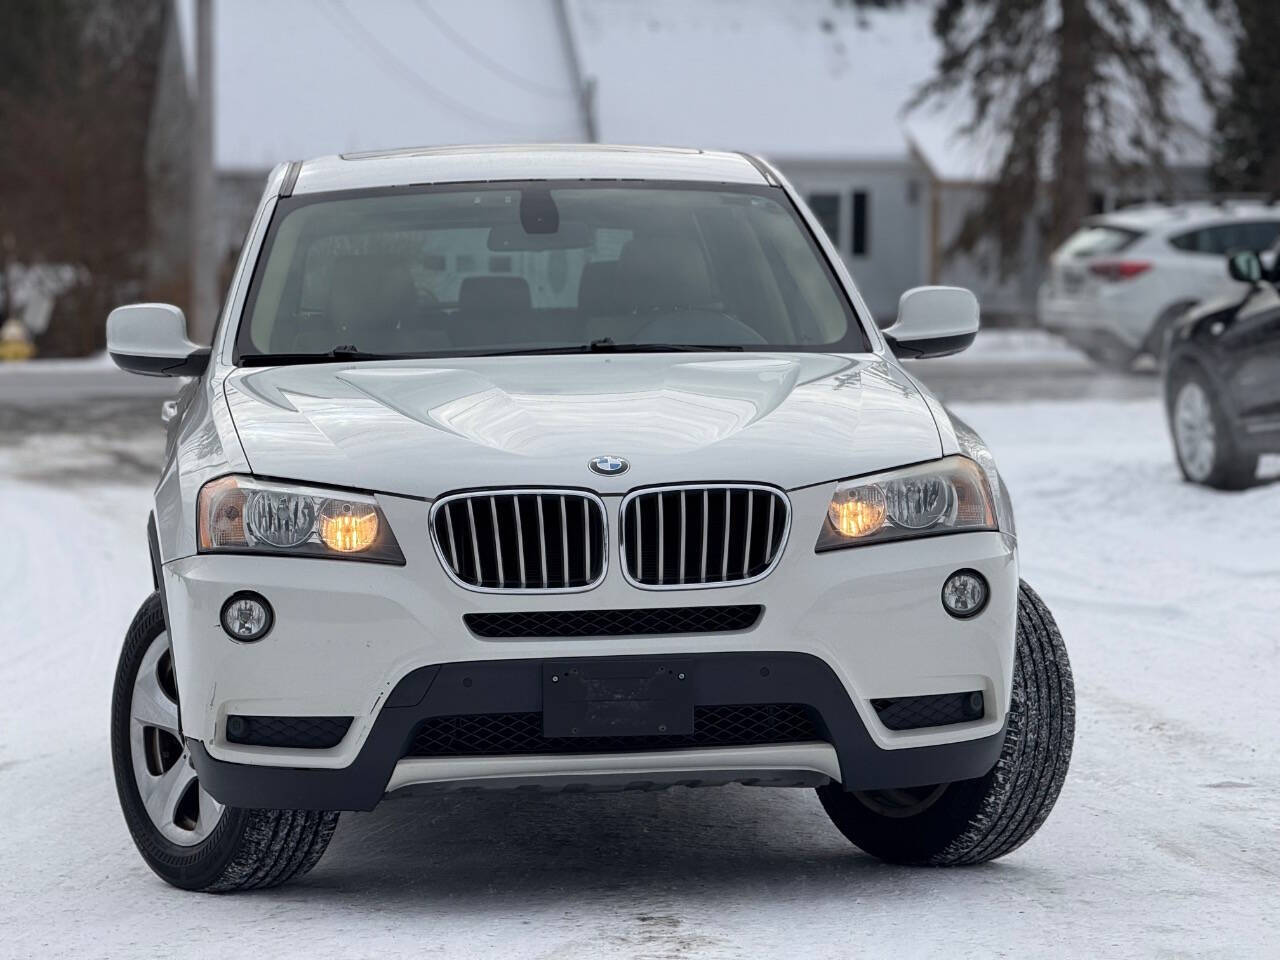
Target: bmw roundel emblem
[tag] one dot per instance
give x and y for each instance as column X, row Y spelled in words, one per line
column 609, row 466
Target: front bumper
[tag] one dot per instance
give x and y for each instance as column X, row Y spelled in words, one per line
column 497, row 687
column 349, row 636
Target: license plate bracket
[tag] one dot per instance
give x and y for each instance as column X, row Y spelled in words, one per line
column 633, row 698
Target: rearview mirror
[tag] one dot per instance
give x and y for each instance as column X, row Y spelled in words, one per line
column 934, row 322
column 151, row 339
column 1245, row 266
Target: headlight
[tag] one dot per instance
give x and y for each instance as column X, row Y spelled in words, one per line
column 241, row 514
column 973, row 447
column 946, row 496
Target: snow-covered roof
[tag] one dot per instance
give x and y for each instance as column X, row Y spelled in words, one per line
column 804, row 79
column 303, row 78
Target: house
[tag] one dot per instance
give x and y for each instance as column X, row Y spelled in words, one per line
column 816, row 87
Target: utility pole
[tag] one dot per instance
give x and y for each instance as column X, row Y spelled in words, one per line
column 584, row 87
column 204, row 265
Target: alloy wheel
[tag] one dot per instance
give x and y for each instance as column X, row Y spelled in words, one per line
column 166, row 779
column 1194, row 430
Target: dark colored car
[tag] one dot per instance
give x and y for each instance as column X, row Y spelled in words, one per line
column 1222, row 379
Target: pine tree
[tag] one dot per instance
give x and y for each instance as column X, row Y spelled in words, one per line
column 1247, row 146
column 1071, row 86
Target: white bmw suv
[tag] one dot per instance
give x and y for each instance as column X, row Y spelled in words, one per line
column 569, row 468
column 1118, row 285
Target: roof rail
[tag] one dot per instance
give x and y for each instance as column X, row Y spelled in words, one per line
column 290, row 178
column 761, row 169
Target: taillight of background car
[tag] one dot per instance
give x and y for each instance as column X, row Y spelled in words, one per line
column 1117, row 270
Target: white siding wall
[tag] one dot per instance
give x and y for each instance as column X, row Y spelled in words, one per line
column 893, row 258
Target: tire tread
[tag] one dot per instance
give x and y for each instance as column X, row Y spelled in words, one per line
column 979, row 820
column 248, row 849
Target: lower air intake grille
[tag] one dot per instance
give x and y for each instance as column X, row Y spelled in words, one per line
column 309, row 733
column 699, row 535
column 912, row 713
column 613, row 623
column 521, row 539
column 493, row 734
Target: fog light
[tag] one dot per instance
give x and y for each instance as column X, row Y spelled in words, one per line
column 247, row 617
column 965, row 594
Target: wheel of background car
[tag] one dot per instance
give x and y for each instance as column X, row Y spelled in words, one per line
column 1204, row 440
column 973, row 821
column 184, row 835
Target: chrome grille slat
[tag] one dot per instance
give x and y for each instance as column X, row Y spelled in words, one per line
column 662, row 553
column 738, row 537
column 502, row 556
column 524, row 580
column 586, row 537
column 497, row 541
column 453, row 540
column 682, row 534
column 768, row 556
column 564, row 538
column 639, row 529
column 475, row 540
column 706, row 518
column 728, row 525
column 542, row 542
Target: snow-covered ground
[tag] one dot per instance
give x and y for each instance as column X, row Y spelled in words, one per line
column 1165, row 841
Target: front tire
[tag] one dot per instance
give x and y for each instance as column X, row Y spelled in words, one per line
column 973, row 821
column 1203, row 438
column 184, row 835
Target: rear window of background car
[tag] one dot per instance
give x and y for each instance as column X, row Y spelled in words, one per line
column 1097, row 240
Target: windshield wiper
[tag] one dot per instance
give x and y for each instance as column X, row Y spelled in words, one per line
column 603, row 345
column 345, row 352
column 607, row 345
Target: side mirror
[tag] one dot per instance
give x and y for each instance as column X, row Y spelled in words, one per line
column 1245, row 266
column 934, row 322
column 151, row 339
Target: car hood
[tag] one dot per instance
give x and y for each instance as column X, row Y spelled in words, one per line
column 426, row 427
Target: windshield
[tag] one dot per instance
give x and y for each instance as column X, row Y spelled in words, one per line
column 541, row 267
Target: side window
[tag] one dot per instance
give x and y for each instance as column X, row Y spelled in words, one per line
column 861, row 225
column 1263, row 234
column 826, row 207
column 1220, row 240
column 1195, row 241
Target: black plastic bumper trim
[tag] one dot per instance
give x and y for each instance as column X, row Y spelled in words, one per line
column 516, row 686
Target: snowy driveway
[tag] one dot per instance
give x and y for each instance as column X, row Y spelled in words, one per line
column 1165, row 841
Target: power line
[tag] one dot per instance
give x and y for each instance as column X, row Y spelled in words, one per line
column 497, row 66
column 394, row 66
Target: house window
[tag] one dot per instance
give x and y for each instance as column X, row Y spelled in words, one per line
column 860, row 212
column 826, row 207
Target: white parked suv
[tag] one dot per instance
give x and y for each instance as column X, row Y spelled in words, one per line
column 1118, row 284
column 569, row 468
